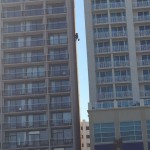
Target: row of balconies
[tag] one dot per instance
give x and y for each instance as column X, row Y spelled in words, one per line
column 121, row 48
column 121, row 79
column 31, row 75
column 123, row 63
column 33, row 12
column 36, row 107
column 102, row 35
column 37, row 90
column 38, row 143
column 34, row 27
column 51, row 57
column 120, row 5
column 121, row 94
column 33, row 43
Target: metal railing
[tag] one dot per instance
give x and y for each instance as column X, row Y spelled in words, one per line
column 105, row 49
column 118, row 19
column 121, row 63
column 106, row 64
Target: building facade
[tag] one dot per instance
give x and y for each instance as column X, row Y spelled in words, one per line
column 118, row 47
column 39, row 88
column 85, row 135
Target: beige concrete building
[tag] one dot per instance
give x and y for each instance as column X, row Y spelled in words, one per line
column 39, row 88
column 118, row 45
column 85, row 135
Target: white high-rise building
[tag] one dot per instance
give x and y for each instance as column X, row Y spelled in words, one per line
column 118, row 45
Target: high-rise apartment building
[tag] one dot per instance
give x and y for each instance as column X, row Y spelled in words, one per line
column 118, row 42
column 39, row 88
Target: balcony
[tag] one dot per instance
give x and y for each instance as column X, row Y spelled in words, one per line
column 123, row 94
column 62, row 105
column 11, row 1
column 141, row 4
column 117, row 5
column 123, row 63
column 56, row 10
column 102, row 35
column 144, row 78
column 61, row 122
column 143, row 48
column 23, row 75
column 61, row 56
column 16, row 60
column 25, row 143
column 100, row 6
column 21, row 92
column 61, row 88
column 105, row 95
column 119, row 34
column 142, row 18
column 107, row 64
column 59, row 142
column 56, row 73
column 118, row 19
column 105, row 49
column 37, row 124
column 122, row 78
column 11, row 14
column 17, row 108
column 120, row 48
column 101, row 20
column 143, row 62
column 142, row 33
column 104, row 79
column 34, row 12
column 56, row 42
column 20, row 28
column 57, row 25
column 145, row 93
column 33, row 43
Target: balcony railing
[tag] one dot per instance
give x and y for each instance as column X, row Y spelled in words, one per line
column 36, row 124
column 143, row 62
column 104, row 64
column 10, row 14
column 145, row 93
column 117, row 5
column 105, row 49
column 142, row 18
column 23, row 75
column 17, row 108
column 104, row 79
column 25, row 28
column 54, row 73
column 122, row 78
column 63, row 105
column 120, row 48
column 143, row 48
column 57, row 25
column 11, row 1
column 61, row 88
column 143, row 33
column 15, row 60
column 34, row 12
column 61, row 142
column 101, row 20
column 56, row 10
column 102, row 35
column 121, row 63
column 56, row 42
column 122, row 94
column 105, row 95
column 25, row 143
column 141, row 4
column 144, row 78
column 15, row 92
column 61, row 56
column 119, row 33
column 100, row 6
column 118, row 19
column 61, row 122
column 31, row 43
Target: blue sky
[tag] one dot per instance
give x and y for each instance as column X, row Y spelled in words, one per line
column 82, row 60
